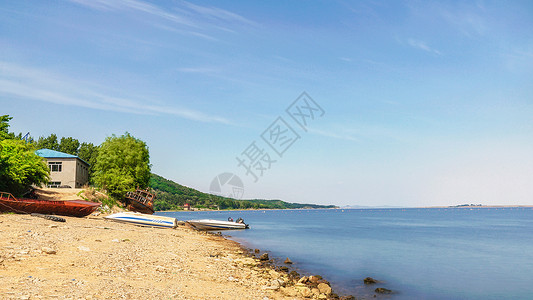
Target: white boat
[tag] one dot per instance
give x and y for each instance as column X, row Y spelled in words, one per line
column 208, row 224
column 144, row 219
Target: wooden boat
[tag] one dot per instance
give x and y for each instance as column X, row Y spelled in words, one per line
column 208, row 224
column 144, row 219
column 140, row 201
column 74, row 208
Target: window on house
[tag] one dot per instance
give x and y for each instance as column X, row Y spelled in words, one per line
column 55, row 166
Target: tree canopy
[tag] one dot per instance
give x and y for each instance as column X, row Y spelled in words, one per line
column 69, row 145
column 89, row 153
column 20, row 167
column 4, row 127
column 123, row 163
column 48, row 143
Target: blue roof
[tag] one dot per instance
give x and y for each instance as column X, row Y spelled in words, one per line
column 47, row 153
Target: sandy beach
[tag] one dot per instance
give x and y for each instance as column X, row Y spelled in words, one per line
column 93, row 258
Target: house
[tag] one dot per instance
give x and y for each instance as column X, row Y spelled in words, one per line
column 66, row 170
column 187, row 206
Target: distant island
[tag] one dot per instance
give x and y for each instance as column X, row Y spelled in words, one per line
column 173, row 196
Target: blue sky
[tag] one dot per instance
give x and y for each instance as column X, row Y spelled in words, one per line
column 425, row 103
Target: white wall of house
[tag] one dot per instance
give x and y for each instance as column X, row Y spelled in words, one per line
column 71, row 172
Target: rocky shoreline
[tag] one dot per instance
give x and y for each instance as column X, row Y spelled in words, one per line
column 92, row 258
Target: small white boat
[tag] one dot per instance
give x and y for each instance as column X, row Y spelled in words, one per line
column 208, row 224
column 144, row 219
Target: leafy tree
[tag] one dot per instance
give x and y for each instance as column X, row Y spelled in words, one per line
column 89, row 153
column 20, row 167
column 4, row 127
column 123, row 163
column 48, row 143
column 69, row 145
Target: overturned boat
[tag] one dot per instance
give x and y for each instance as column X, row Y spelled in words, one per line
column 144, row 219
column 73, row 208
column 208, row 224
column 140, row 201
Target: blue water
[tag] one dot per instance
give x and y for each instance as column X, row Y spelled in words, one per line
column 480, row 253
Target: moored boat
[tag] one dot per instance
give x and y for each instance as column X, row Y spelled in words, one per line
column 144, row 219
column 208, row 224
column 73, row 208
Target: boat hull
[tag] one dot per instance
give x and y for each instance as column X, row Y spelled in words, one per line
column 207, row 225
column 141, row 201
column 73, row 208
column 144, row 219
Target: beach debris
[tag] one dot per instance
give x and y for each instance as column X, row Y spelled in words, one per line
column 49, row 217
column 83, row 248
column 383, row 291
column 263, row 257
column 349, row 297
column 257, row 251
column 370, row 280
column 288, row 261
column 48, row 250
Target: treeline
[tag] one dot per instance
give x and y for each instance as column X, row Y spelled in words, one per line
column 172, row 196
column 119, row 164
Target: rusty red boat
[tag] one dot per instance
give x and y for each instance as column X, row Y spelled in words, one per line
column 74, row 208
column 140, row 201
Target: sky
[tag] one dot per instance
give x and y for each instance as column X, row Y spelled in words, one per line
column 399, row 103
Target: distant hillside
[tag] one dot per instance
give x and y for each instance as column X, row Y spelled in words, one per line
column 172, row 196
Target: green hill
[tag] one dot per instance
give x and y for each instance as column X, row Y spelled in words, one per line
column 172, row 196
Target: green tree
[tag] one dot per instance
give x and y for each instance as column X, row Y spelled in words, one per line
column 48, row 143
column 20, row 167
column 89, row 153
column 4, row 127
column 69, row 145
column 123, row 163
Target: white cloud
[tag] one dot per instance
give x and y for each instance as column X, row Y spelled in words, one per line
column 187, row 15
column 335, row 135
column 35, row 84
column 421, row 45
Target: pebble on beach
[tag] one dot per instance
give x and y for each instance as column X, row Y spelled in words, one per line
column 48, row 250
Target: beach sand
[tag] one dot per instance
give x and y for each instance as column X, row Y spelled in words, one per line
column 93, row 258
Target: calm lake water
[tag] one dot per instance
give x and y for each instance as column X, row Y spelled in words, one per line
column 479, row 253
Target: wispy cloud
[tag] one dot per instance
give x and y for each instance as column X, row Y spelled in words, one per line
column 468, row 20
column 139, row 6
column 39, row 85
column 335, row 135
column 421, row 45
column 199, row 70
column 184, row 14
column 219, row 14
